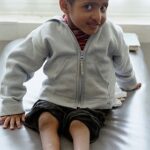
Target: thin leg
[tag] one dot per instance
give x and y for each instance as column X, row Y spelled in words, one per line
column 48, row 127
column 80, row 134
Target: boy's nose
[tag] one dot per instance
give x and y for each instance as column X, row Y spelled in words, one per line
column 97, row 16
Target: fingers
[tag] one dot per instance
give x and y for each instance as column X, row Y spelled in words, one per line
column 23, row 118
column 6, row 122
column 12, row 122
column 2, row 119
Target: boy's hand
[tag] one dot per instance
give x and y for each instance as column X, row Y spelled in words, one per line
column 137, row 86
column 12, row 121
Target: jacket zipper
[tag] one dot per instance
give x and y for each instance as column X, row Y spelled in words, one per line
column 81, row 72
column 81, row 75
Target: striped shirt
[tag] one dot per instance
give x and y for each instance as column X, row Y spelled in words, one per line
column 80, row 36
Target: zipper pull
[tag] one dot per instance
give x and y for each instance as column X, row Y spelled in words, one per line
column 81, row 55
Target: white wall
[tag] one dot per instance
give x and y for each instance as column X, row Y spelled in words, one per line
column 29, row 7
column 140, row 8
column 132, row 15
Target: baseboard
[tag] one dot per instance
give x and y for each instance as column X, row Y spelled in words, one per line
column 11, row 30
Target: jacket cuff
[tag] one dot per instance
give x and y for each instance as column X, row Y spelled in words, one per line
column 128, row 85
column 8, row 107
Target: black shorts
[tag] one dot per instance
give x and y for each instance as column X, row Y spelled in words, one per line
column 92, row 118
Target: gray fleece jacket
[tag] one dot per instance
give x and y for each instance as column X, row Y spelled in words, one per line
column 75, row 78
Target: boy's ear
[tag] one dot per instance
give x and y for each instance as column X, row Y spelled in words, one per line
column 64, row 6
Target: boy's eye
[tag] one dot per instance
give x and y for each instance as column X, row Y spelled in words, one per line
column 103, row 9
column 88, row 7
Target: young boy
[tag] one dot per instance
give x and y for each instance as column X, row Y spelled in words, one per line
column 83, row 54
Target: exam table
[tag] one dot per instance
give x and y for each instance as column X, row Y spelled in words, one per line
column 126, row 128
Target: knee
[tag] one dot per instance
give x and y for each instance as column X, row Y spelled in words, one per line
column 46, row 120
column 78, row 126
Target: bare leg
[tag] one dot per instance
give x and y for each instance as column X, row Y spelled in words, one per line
column 80, row 134
column 48, row 127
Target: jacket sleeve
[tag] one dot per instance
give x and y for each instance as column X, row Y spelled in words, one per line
column 25, row 59
column 123, row 68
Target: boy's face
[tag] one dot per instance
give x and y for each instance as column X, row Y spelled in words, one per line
column 87, row 15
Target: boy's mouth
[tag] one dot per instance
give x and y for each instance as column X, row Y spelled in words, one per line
column 93, row 25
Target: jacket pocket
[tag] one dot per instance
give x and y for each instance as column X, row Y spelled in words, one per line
column 62, row 77
column 96, row 83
